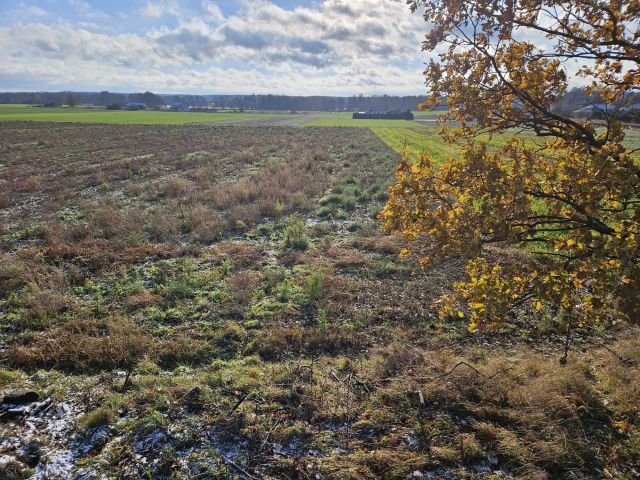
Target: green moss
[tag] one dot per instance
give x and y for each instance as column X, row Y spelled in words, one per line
column 97, row 418
column 7, row 377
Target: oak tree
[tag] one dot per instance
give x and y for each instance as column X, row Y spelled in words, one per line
column 567, row 193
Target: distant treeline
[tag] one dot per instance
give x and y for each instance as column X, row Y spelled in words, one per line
column 572, row 101
column 245, row 102
column 317, row 103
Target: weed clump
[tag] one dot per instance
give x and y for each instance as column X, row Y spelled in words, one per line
column 314, row 288
column 294, row 236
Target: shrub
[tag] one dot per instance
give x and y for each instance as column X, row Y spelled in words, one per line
column 279, row 342
column 111, row 222
column 332, row 199
column 182, row 289
column 244, row 156
column 161, row 226
column 209, row 232
column 382, row 196
column 230, row 337
column 274, row 275
column 326, row 212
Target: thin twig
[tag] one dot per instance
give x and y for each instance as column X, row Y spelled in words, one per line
column 238, row 403
column 266, row 440
column 239, row 468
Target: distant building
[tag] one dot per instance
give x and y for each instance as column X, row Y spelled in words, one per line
column 631, row 112
column 600, row 111
column 375, row 113
column 634, row 107
column 441, row 106
column 136, row 106
column 180, row 107
column 593, row 110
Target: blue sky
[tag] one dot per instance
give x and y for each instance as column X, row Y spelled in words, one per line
column 309, row 47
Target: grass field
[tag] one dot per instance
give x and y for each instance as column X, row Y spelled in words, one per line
column 9, row 113
column 239, row 275
column 397, row 134
column 426, row 138
column 344, row 119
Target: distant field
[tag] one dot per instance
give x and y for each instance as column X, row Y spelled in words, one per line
column 426, row 138
column 416, row 136
column 396, row 133
column 10, row 113
column 428, row 114
column 343, row 119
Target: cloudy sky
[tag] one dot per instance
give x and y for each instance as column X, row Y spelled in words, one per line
column 296, row 47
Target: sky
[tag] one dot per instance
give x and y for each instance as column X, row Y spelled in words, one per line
column 305, row 47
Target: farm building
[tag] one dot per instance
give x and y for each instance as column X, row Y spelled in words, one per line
column 378, row 114
column 629, row 112
column 592, row 110
column 180, row 107
column 136, row 106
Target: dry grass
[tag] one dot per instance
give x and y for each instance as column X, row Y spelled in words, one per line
column 280, row 342
column 161, row 226
column 32, row 184
column 255, row 196
column 327, row 362
column 84, row 345
column 111, row 223
column 5, row 200
column 175, row 188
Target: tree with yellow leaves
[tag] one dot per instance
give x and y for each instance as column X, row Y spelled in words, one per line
column 570, row 198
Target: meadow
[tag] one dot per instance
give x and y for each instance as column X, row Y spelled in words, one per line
column 9, row 113
column 423, row 137
column 219, row 301
column 344, row 119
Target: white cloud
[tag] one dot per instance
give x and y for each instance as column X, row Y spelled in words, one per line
column 37, row 11
column 213, row 12
column 159, row 9
column 333, row 47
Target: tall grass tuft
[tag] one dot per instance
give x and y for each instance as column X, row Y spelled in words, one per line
column 294, row 236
